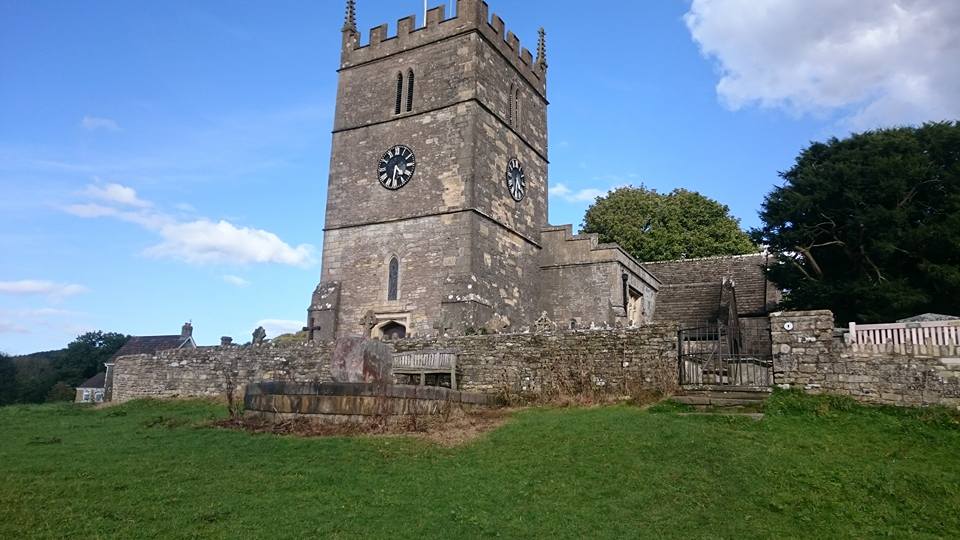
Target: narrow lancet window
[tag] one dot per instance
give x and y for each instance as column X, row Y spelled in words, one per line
column 399, row 93
column 410, row 90
column 393, row 278
column 510, row 106
column 516, row 109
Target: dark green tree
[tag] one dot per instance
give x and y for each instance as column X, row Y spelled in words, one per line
column 654, row 226
column 8, row 380
column 61, row 392
column 869, row 226
column 85, row 355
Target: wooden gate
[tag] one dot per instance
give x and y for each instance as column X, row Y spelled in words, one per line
column 715, row 354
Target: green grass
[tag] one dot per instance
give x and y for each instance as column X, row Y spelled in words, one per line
column 814, row 467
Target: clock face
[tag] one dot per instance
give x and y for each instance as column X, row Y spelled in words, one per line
column 396, row 167
column 516, row 182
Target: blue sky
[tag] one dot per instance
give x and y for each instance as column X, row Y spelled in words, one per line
column 167, row 161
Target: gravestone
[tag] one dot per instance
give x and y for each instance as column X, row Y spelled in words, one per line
column 361, row 360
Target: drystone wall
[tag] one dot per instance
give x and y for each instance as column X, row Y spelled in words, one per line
column 209, row 371
column 564, row 362
column 808, row 353
column 534, row 364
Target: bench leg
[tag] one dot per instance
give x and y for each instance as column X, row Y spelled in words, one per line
column 453, row 380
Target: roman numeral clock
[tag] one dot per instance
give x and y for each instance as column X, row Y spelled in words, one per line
column 516, row 181
column 398, row 164
column 395, row 169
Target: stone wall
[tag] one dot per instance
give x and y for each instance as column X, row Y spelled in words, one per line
column 581, row 281
column 205, row 371
column 808, row 353
column 596, row 362
column 607, row 361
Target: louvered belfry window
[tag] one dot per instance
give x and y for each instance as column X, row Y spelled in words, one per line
column 399, row 93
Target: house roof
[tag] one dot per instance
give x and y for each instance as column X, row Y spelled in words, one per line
column 97, row 381
column 153, row 344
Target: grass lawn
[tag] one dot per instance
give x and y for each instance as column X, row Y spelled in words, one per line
column 813, row 467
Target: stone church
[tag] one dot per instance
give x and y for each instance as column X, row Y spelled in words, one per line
column 436, row 218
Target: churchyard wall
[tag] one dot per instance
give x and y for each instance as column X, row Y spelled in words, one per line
column 809, row 354
column 563, row 362
column 594, row 362
column 209, row 371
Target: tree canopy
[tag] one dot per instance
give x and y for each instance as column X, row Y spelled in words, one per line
column 8, row 383
column 42, row 376
column 869, row 226
column 654, row 226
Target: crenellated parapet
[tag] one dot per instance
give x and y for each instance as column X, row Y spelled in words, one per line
column 472, row 16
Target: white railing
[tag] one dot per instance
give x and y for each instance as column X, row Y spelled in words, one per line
column 916, row 333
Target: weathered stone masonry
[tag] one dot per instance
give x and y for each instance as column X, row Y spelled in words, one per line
column 204, row 372
column 602, row 361
column 608, row 360
column 809, row 354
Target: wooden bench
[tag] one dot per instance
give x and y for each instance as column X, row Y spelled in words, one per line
column 425, row 363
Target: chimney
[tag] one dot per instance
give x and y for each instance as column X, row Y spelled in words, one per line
column 187, row 330
column 226, row 341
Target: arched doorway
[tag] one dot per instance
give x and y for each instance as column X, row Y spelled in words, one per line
column 393, row 330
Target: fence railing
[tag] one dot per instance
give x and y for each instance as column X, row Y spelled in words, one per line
column 915, row 333
column 714, row 355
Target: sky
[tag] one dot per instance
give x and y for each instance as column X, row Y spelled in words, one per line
column 163, row 162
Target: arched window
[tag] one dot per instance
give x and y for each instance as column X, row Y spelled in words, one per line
column 399, row 93
column 409, row 90
column 393, row 278
column 510, row 105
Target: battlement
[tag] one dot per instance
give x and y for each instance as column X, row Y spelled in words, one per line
column 472, row 16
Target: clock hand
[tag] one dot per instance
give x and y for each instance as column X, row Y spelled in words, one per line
column 397, row 169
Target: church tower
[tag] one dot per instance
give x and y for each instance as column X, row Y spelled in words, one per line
column 438, row 179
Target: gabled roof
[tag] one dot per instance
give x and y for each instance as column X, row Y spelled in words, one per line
column 97, row 381
column 153, row 344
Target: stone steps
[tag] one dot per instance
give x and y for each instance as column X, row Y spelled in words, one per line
column 726, row 396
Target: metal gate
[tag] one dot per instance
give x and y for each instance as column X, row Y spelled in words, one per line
column 715, row 354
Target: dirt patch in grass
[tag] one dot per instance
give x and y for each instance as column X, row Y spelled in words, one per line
column 454, row 429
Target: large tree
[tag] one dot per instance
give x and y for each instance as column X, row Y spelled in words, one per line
column 85, row 355
column 869, row 226
column 656, row 226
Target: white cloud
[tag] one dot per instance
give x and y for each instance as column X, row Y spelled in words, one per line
column 28, row 321
column 117, row 193
column 277, row 327
column 93, row 123
column 200, row 241
column 581, row 195
column 90, row 210
column 41, row 287
column 7, row 327
column 876, row 63
column 236, row 281
column 204, row 241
